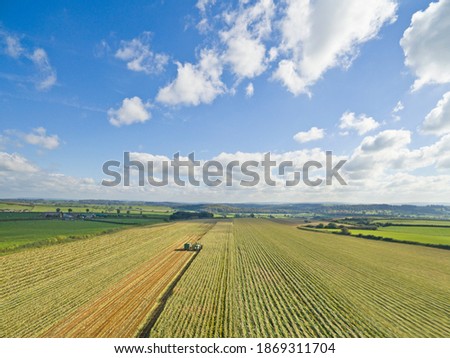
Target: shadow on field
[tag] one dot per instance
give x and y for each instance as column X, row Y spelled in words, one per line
column 147, row 329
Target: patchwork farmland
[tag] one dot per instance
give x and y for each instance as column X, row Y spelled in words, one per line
column 253, row 278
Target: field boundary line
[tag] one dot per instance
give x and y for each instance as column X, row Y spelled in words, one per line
column 381, row 238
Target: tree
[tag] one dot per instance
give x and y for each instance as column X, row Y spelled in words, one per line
column 345, row 231
column 69, row 210
column 58, row 210
column 87, row 210
column 118, row 211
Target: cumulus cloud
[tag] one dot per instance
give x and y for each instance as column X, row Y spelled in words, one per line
column 17, row 173
column 40, row 138
column 313, row 134
column 246, row 56
column 385, row 172
column 248, row 26
column 320, row 35
column 15, row 163
column 195, row 84
column 387, row 155
column 426, row 44
column 359, row 123
column 308, row 39
column 390, row 139
column 384, row 168
column 138, row 56
column 378, row 153
column 437, row 122
column 133, row 110
column 249, row 90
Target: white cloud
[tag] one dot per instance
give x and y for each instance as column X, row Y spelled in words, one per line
column 195, row 84
column 249, row 90
column 437, row 122
column 376, row 154
column 313, row 134
column 13, row 46
column 245, row 50
column 40, row 138
column 203, row 4
column 398, row 107
column 133, row 110
column 361, row 123
column 386, row 172
column 246, row 56
column 273, row 54
column 139, row 57
column 320, row 35
column 390, row 139
column 21, row 178
column 426, row 44
column 381, row 158
column 46, row 73
column 15, row 163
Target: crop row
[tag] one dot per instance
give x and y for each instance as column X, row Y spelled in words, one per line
column 257, row 278
column 42, row 287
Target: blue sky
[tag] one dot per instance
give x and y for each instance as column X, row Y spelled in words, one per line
column 80, row 83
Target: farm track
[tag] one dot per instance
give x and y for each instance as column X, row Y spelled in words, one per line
column 41, row 287
column 266, row 279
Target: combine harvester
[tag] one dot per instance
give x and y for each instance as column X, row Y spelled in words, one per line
column 192, row 247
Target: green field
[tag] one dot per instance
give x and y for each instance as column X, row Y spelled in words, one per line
column 424, row 235
column 15, row 234
column 414, row 222
column 76, row 207
column 24, row 225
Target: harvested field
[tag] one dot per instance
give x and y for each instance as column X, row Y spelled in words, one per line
column 263, row 279
column 50, row 291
